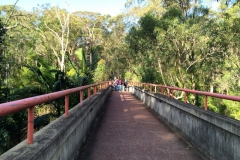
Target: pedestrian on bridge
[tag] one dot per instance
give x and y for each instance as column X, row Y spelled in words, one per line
column 115, row 84
column 125, row 83
column 120, row 85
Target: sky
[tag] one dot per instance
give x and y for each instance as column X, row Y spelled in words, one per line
column 112, row 7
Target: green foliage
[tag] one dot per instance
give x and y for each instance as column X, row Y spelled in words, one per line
column 100, row 72
column 33, row 54
column 224, row 107
column 195, row 50
column 4, row 136
column 215, row 105
column 2, row 33
column 4, row 90
column 148, row 24
column 130, row 76
column 12, row 130
column 71, row 73
column 148, row 74
column 172, row 13
column 81, row 56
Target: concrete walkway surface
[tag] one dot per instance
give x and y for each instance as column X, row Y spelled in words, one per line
column 128, row 130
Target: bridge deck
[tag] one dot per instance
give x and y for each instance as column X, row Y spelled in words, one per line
column 127, row 130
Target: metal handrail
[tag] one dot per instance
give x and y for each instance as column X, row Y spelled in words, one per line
column 172, row 89
column 30, row 103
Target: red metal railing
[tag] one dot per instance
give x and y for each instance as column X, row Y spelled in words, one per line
column 170, row 91
column 30, row 103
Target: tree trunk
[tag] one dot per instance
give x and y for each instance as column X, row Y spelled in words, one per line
column 160, row 70
column 211, row 88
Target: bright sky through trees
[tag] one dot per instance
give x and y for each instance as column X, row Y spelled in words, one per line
column 112, row 7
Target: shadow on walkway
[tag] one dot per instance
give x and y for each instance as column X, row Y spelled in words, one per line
column 127, row 130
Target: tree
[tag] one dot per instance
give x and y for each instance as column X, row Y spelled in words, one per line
column 56, row 34
column 3, row 87
column 100, row 72
column 139, row 8
column 92, row 28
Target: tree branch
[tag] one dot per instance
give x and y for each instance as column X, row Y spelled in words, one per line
column 11, row 13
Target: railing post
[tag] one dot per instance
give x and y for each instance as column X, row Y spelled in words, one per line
column 81, row 97
column 155, row 89
column 185, row 97
column 168, row 92
column 30, row 125
column 89, row 93
column 66, row 105
column 161, row 90
column 94, row 90
column 205, row 103
column 173, row 94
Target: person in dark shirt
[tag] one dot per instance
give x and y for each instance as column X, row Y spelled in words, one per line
column 125, row 85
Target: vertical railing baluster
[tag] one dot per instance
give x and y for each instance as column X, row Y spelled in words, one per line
column 89, row 93
column 30, row 125
column 185, row 97
column 81, row 97
column 94, row 90
column 173, row 94
column 205, row 103
column 66, row 105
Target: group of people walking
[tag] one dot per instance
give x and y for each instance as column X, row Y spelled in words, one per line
column 119, row 85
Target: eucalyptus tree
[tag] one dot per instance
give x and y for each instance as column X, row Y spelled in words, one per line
column 19, row 41
column 139, row 8
column 11, row 35
column 229, row 29
column 193, row 47
column 143, row 47
column 226, row 34
column 182, row 46
column 114, row 47
column 53, row 25
column 92, row 27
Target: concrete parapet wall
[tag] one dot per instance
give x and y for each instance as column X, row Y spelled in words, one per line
column 215, row 135
column 63, row 137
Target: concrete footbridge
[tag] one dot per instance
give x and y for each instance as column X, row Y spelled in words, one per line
column 143, row 122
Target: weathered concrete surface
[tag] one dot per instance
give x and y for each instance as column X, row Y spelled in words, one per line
column 61, row 139
column 216, row 135
column 127, row 130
